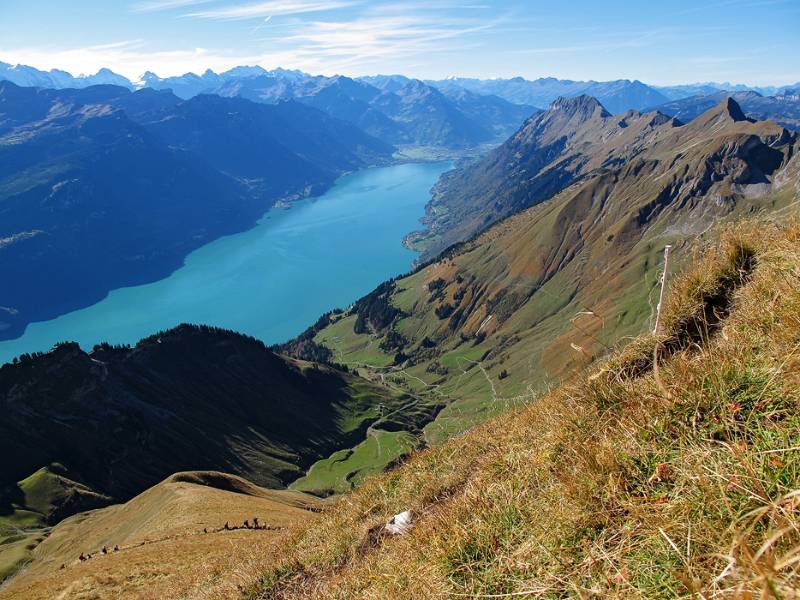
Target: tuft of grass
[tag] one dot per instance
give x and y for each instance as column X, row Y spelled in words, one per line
column 678, row 477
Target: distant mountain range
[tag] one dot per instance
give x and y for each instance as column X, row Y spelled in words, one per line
column 616, row 96
column 412, row 114
column 453, row 113
column 103, row 187
column 31, row 77
column 783, row 108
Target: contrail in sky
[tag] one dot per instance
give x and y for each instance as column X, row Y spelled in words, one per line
column 260, row 25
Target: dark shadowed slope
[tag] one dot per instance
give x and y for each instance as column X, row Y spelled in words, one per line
column 121, row 419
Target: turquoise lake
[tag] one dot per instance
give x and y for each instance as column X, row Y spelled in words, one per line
column 274, row 280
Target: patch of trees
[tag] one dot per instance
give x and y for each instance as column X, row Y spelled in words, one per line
column 375, row 310
column 400, row 358
column 436, row 289
column 455, row 319
column 393, row 341
column 427, row 342
column 179, row 332
column 106, row 347
column 305, row 348
column 444, row 310
column 504, row 303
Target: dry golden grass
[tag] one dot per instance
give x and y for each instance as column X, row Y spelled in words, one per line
column 164, row 552
column 634, row 482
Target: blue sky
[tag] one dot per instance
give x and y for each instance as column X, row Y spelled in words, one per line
column 748, row 41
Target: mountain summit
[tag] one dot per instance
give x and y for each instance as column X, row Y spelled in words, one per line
column 582, row 106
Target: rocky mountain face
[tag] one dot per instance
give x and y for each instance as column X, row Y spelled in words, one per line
column 102, row 188
column 783, row 108
column 122, row 419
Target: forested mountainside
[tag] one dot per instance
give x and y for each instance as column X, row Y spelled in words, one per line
column 120, row 419
column 557, row 285
column 102, row 188
column 576, row 138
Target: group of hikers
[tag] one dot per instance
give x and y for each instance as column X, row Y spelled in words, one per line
column 84, row 557
column 245, row 525
column 227, row 527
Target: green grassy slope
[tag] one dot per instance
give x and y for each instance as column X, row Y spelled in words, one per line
column 29, row 507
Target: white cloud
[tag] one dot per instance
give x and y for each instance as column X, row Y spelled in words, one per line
column 267, row 9
column 156, row 5
column 381, row 38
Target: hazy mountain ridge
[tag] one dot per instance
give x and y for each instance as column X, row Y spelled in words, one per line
column 617, row 96
column 411, row 114
column 26, row 76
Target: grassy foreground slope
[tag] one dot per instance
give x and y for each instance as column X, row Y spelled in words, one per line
column 550, row 289
column 671, row 469
column 171, row 540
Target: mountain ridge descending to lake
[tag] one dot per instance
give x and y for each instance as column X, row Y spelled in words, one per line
column 103, row 188
column 556, row 284
column 574, row 138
